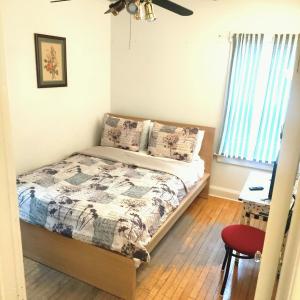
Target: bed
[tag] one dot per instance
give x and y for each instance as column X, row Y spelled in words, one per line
column 102, row 260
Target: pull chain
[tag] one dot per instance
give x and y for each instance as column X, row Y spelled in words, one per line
column 130, row 32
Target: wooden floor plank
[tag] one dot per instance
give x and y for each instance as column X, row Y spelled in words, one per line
column 185, row 265
column 173, row 246
column 181, row 260
column 214, row 246
column 196, row 267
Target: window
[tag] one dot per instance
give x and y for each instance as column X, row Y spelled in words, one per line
column 257, row 96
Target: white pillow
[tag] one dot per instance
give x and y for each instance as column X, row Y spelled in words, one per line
column 150, row 129
column 145, row 136
column 198, row 145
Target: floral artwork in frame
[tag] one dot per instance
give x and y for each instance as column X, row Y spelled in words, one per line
column 51, row 61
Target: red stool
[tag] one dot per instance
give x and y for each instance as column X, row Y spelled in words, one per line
column 244, row 240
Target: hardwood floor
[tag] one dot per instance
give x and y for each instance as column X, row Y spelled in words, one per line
column 185, row 265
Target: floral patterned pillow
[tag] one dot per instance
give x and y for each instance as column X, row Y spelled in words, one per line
column 122, row 133
column 174, row 142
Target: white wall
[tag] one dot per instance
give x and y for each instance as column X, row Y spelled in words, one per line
column 49, row 124
column 176, row 68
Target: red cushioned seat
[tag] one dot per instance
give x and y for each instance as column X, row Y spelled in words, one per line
column 243, row 239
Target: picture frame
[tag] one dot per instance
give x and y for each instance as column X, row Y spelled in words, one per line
column 51, row 61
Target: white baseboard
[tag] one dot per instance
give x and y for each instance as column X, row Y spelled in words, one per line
column 221, row 192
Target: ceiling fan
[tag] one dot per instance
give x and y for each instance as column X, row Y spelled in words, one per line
column 143, row 9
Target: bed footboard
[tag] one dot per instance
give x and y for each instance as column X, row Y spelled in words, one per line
column 101, row 268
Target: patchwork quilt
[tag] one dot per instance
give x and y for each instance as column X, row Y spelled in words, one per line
column 105, row 203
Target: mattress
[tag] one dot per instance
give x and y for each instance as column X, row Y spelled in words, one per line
column 102, row 197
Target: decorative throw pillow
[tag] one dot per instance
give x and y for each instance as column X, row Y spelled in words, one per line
column 174, row 142
column 122, row 133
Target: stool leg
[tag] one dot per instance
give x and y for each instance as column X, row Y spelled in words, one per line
column 236, row 261
column 227, row 271
column 225, row 259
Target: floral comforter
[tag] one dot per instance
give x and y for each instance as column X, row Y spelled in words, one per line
column 106, row 203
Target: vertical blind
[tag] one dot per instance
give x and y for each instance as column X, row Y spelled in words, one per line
column 257, row 95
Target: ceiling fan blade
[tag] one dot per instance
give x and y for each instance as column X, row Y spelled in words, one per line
column 177, row 9
column 53, row 1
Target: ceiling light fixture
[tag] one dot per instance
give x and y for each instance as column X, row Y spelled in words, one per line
column 137, row 7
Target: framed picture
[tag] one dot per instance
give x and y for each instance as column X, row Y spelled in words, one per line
column 51, row 61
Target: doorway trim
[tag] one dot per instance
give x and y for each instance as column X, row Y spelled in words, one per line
column 12, row 282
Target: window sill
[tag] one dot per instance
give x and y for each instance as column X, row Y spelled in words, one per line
column 243, row 163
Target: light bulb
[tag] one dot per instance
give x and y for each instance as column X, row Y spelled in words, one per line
column 133, row 7
column 149, row 13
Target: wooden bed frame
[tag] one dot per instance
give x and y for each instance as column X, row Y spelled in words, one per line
column 104, row 269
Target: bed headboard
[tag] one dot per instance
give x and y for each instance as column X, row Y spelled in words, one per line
column 206, row 151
